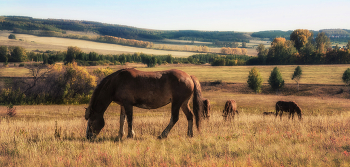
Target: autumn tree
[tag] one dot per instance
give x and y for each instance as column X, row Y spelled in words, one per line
column 281, row 51
column 255, row 80
column 297, row 75
column 322, row 42
column 300, row 37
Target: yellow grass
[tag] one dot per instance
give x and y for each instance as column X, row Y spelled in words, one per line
column 312, row 74
column 320, row 139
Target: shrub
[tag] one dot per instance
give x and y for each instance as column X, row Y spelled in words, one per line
column 275, row 80
column 255, row 80
column 12, row 36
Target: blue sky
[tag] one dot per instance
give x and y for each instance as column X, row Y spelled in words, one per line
column 210, row 15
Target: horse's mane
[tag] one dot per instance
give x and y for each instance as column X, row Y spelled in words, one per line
column 102, row 85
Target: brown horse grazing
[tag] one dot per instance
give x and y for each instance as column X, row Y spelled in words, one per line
column 206, row 108
column 148, row 90
column 288, row 106
column 230, row 109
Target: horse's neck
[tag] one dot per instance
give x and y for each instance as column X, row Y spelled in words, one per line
column 101, row 105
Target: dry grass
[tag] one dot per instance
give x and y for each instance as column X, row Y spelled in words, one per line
column 55, row 136
column 31, row 42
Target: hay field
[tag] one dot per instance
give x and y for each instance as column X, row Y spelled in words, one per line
column 312, row 74
column 55, row 136
column 31, row 42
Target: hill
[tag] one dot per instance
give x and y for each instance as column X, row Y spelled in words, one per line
column 61, row 26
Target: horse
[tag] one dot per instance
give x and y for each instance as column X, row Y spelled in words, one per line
column 230, row 109
column 288, row 106
column 148, row 90
column 206, row 108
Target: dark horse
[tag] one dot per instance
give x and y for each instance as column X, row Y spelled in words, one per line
column 148, row 90
column 230, row 109
column 288, row 106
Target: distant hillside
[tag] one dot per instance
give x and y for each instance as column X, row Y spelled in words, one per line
column 56, row 25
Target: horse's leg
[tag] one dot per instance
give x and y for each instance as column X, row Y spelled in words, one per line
column 129, row 119
column 281, row 112
column 122, row 121
column 186, row 109
column 175, row 107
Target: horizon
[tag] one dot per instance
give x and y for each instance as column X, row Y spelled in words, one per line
column 221, row 15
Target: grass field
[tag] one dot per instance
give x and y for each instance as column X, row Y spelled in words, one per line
column 31, row 42
column 312, row 74
column 55, row 136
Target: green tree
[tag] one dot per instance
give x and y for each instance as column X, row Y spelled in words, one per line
column 300, row 37
column 348, row 45
column 322, row 42
column 275, row 80
column 3, row 53
column 12, row 36
column 72, row 53
column 255, row 80
column 297, row 75
column 346, row 77
column 17, row 54
column 262, row 53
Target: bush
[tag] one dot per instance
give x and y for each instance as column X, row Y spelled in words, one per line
column 12, row 36
column 255, row 80
column 275, row 80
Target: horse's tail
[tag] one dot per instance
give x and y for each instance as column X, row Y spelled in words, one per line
column 197, row 101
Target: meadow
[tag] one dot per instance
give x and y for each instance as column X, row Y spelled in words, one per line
column 54, row 135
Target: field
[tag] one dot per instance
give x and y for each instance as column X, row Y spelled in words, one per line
column 54, row 135
column 31, row 42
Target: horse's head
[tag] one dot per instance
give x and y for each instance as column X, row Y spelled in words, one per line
column 95, row 123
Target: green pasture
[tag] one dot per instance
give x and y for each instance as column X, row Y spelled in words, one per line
column 312, row 74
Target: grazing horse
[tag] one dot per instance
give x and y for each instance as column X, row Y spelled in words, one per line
column 206, row 108
column 148, row 90
column 288, row 106
column 230, row 109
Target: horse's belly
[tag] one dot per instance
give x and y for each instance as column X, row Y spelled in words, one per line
column 151, row 105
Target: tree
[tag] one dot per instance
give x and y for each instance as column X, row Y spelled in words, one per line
column 3, row 53
column 12, row 36
column 348, row 45
column 275, row 80
column 297, row 75
column 255, row 80
column 346, row 77
column 262, row 53
column 72, row 53
column 17, row 54
column 300, row 37
column 322, row 42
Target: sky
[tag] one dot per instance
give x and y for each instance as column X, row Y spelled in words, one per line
column 206, row 15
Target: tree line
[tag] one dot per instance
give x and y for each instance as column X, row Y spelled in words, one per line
column 302, row 48
column 19, row 54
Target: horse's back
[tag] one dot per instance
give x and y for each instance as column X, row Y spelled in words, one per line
column 152, row 89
